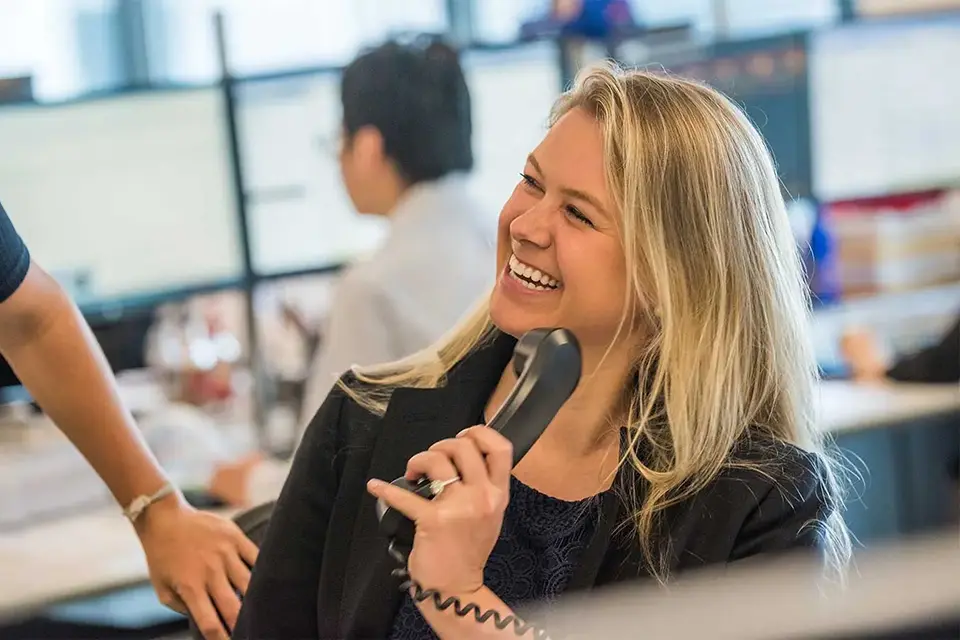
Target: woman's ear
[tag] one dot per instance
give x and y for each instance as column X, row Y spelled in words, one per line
column 367, row 147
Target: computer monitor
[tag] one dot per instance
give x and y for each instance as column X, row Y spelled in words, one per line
column 125, row 195
column 885, row 77
column 122, row 337
column 299, row 214
column 10, row 389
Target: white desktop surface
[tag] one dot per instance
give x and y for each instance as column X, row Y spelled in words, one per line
column 98, row 551
column 847, row 406
column 66, row 558
column 71, row 557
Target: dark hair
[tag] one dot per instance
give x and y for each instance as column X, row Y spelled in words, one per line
column 416, row 96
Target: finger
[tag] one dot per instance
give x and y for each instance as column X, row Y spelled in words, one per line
column 432, row 464
column 171, row 600
column 466, row 457
column 226, row 600
column 496, row 449
column 238, row 572
column 406, row 502
column 245, row 547
column 204, row 615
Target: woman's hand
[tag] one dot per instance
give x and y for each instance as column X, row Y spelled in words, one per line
column 457, row 530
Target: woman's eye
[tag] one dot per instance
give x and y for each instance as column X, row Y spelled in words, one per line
column 575, row 213
column 529, row 182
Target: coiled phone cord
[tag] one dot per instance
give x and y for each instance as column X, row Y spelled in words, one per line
column 419, row 595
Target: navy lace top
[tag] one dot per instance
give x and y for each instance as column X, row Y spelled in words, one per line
column 539, row 547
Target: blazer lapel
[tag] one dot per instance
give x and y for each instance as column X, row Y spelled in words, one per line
column 415, row 419
column 612, row 551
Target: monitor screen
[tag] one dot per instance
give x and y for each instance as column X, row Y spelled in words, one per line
column 886, row 77
column 126, row 195
column 122, row 339
column 299, row 214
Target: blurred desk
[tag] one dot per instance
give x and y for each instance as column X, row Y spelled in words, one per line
column 98, row 552
column 849, row 407
column 899, row 442
column 69, row 558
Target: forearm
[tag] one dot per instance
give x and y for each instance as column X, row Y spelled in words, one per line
column 61, row 364
column 447, row 624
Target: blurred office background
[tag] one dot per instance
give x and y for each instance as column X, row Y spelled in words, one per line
column 173, row 164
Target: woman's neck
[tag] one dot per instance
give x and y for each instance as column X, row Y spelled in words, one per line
column 577, row 456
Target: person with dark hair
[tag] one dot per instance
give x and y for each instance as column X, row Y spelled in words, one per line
column 405, row 154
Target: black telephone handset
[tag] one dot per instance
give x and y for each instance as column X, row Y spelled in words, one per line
column 547, row 363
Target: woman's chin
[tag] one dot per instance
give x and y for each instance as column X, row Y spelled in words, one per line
column 513, row 321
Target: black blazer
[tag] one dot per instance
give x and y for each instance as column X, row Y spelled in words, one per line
column 323, row 570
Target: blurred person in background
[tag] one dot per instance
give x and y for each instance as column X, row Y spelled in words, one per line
column 405, row 154
column 589, row 19
column 937, row 363
column 197, row 560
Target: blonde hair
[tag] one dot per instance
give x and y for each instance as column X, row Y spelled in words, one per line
column 708, row 246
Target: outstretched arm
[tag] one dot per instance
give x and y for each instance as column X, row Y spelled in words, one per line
column 193, row 557
column 53, row 352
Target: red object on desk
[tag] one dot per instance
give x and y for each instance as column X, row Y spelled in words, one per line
column 896, row 243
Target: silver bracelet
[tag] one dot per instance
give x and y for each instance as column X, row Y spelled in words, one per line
column 140, row 503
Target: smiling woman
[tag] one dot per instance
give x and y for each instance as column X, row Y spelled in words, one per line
column 649, row 223
column 557, row 222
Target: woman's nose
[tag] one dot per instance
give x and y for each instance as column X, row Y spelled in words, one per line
column 533, row 226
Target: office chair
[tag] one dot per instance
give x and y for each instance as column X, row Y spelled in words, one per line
column 253, row 522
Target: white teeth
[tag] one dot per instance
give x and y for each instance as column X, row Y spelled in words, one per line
column 522, row 270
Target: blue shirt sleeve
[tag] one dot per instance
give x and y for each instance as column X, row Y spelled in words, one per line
column 14, row 257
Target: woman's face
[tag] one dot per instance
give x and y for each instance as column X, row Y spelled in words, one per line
column 559, row 256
